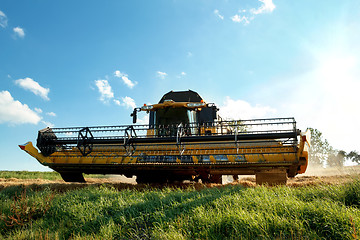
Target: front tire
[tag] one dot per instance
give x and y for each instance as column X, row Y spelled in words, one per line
column 72, row 177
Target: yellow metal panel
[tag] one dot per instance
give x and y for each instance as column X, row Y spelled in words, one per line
column 251, row 158
column 29, row 148
column 86, row 160
column 101, row 160
column 150, row 133
column 288, row 157
column 272, row 158
column 231, row 158
column 126, row 160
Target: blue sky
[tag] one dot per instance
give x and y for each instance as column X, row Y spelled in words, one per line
column 84, row 63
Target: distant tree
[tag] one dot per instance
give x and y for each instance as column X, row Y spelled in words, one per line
column 336, row 158
column 319, row 149
column 321, row 153
column 354, row 156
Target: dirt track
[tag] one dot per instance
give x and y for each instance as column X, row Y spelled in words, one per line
column 312, row 177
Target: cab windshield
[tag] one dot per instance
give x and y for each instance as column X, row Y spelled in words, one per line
column 168, row 119
column 171, row 116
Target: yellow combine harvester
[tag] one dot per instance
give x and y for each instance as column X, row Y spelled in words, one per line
column 184, row 140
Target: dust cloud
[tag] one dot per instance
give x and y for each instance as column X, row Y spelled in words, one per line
column 333, row 171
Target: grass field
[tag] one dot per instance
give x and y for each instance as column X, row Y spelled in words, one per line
column 322, row 211
column 38, row 175
column 30, row 175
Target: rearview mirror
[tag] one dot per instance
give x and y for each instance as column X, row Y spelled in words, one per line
column 134, row 115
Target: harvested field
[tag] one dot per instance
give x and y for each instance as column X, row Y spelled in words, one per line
column 35, row 206
column 311, row 178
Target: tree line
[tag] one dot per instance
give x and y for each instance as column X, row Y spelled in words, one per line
column 323, row 154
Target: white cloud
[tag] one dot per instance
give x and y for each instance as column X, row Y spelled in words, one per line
column 38, row 110
column 245, row 16
column 118, row 74
column 19, row 32
column 105, row 90
column 125, row 79
column 3, row 20
column 128, row 102
column 189, row 54
column 267, row 6
column 107, row 94
column 51, row 114
column 14, row 112
column 34, row 87
column 161, row 75
column 182, row 74
column 128, row 82
column 117, row 102
column 240, row 109
column 143, row 120
column 48, row 124
column 237, row 18
column 217, row 13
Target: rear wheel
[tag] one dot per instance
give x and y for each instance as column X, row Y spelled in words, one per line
column 72, row 177
column 211, row 178
column 216, row 178
column 154, row 178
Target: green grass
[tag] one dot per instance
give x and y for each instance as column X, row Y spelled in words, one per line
column 40, row 175
column 231, row 212
column 30, row 175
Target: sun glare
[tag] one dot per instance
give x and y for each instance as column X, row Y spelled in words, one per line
column 336, row 70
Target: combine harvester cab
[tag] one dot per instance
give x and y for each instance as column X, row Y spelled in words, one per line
column 184, row 140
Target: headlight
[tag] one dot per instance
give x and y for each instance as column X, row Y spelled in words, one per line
column 147, row 107
column 196, row 105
